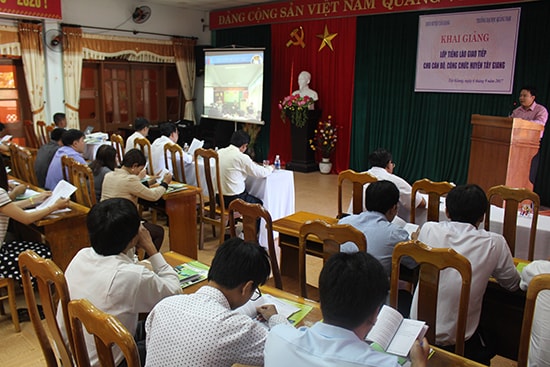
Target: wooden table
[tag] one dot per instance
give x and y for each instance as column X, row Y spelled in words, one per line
column 66, row 232
column 181, row 209
column 440, row 358
column 289, row 234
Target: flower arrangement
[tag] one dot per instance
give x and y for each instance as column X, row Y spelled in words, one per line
column 295, row 107
column 325, row 138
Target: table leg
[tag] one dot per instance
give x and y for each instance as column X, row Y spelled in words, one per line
column 181, row 209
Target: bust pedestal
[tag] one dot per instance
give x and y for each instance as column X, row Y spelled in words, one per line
column 303, row 157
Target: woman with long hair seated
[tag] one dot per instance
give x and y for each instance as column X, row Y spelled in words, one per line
column 9, row 251
column 104, row 162
column 126, row 182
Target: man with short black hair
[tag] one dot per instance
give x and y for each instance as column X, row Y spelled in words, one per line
column 169, row 135
column 202, row 329
column 45, row 154
column 381, row 200
column 106, row 276
column 73, row 147
column 382, row 166
column 60, row 120
column 236, row 166
column 352, row 287
column 141, row 125
column 489, row 256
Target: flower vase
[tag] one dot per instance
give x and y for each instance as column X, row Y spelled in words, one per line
column 325, row 166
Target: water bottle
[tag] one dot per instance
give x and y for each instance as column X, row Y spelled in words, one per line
column 185, row 147
column 277, row 162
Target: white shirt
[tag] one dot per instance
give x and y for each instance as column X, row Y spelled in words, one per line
column 489, row 255
column 539, row 348
column 321, row 345
column 201, row 330
column 157, row 151
column 130, row 141
column 235, row 166
column 117, row 286
column 405, row 191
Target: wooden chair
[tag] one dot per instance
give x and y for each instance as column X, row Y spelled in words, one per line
column 25, row 164
column 538, row 283
column 214, row 211
column 175, row 163
column 145, row 146
column 53, row 291
column 332, row 236
column 8, row 284
column 250, row 214
column 431, row 262
column 14, row 157
column 83, row 178
column 66, row 164
column 512, row 198
column 43, row 136
column 434, row 190
column 107, row 331
column 358, row 180
column 118, row 143
column 30, row 135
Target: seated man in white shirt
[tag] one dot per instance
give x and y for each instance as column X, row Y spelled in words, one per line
column 141, row 125
column 235, row 166
column 539, row 348
column 202, row 329
column 169, row 135
column 106, row 276
column 489, row 256
column 382, row 166
column 352, row 287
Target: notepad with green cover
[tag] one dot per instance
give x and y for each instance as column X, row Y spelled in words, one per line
column 191, row 272
column 295, row 318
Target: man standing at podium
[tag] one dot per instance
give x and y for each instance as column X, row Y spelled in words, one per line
column 531, row 111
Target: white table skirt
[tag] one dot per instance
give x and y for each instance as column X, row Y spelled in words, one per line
column 91, row 149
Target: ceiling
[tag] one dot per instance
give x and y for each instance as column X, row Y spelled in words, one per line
column 208, row 5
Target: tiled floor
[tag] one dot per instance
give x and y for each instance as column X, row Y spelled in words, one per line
column 314, row 193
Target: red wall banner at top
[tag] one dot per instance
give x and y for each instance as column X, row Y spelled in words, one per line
column 32, row 8
column 291, row 11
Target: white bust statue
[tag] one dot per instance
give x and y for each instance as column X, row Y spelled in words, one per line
column 303, row 82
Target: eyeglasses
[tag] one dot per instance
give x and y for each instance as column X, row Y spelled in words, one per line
column 256, row 295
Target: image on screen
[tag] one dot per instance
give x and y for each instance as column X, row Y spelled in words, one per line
column 233, row 84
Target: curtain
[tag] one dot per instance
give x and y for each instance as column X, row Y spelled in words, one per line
column 332, row 76
column 32, row 54
column 9, row 41
column 256, row 36
column 72, row 71
column 184, row 53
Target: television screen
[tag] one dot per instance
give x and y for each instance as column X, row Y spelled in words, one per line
column 233, row 84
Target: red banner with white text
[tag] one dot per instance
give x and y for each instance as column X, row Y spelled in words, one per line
column 32, row 8
column 301, row 10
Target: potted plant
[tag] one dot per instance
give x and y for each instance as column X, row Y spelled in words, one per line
column 324, row 141
column 295, row 107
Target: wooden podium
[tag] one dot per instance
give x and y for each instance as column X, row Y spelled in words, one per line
column 501, row 151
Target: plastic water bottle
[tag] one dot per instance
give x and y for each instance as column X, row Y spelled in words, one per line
column 185, row 147
column 277, row 162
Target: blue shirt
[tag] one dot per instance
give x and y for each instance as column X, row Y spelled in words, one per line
column 55, row 173
column 321, row 345
column 381, row 234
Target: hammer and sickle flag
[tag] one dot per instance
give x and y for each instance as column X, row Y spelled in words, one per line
column 296, row 38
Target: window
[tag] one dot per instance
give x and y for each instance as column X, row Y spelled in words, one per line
column 13, row 99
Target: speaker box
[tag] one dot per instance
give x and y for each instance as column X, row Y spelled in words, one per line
column 199, row 58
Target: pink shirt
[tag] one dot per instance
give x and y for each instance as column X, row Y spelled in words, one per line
column 536, row 113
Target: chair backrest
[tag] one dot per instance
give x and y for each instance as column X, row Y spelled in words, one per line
column 53, row 291
column 431, row 262
column 144, row 145
column 83, row 178
column 538, row 283
column 30, row 135
column 213, row 184
column 512, row 198
column 66, row 164
column 43, row 136
column 250, row 214
column 25, row 163
column 14, row 157
column 117, row 142
column 107, row 331
column 332, row 236
column 175, row 161
column 434, row 190
column 358, row 180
